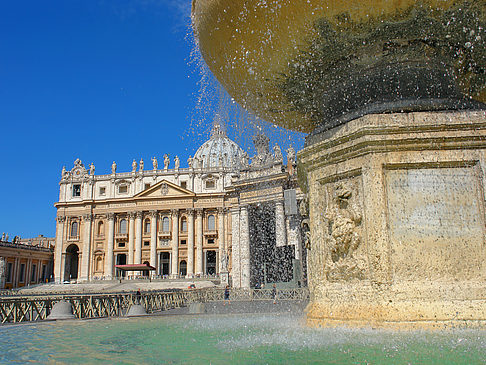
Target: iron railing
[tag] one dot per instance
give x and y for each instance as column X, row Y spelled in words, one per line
column 15, row 309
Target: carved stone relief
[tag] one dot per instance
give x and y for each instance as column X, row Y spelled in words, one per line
column 343, row 215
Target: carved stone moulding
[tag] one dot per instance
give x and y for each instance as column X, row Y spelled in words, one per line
column 397, row 210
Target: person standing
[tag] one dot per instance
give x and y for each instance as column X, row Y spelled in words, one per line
column 226, row 295
column 274, row 294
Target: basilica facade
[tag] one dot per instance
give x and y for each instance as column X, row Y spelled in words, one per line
column 185, row 222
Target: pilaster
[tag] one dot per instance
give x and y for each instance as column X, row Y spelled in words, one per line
column 175, row 243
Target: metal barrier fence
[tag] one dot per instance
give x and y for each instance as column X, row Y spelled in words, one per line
column 37, row 308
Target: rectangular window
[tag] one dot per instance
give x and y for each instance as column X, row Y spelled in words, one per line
column 34, row 273
column 76, row 190
column 147, row 186
column 184, row 184
column 210, row 184
column 121, row 244
column 9, row 272
column 211, row 241
column 123, row 189
column 102, row 191
column 22, row 273
column 183, row 242
column 146, row 243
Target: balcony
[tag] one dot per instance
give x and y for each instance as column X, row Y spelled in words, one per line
column 165, row 234
column 73, row 238
column 121, row 236
column 211, row 233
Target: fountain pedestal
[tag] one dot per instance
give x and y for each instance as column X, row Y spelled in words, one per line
column 397, row 220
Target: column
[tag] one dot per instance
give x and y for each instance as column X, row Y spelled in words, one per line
column 222, row 266
column 245, row 247
column 138, row 238
column 3, row 265
column 235, row 247
column 153, row 240
column 190, row 243
column 58, row 248
column 131, row 237
column 175, row 244
column 280, row 226
column 87, row 219
column 375, row 221
column 109, row 250
column 199, row 242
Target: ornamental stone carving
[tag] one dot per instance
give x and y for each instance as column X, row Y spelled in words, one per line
column 61, row 219
column 305, row 223
column 190, row 212
column 344, row 236
column 199, row 212
column 87, row 217
column 153, row 213
column 131, row 215
column 111, row 216
column 164, row 189
column 139, row 215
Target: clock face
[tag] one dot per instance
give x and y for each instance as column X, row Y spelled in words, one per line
column 77, row 173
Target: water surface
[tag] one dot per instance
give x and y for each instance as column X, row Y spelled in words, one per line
column 235, row 339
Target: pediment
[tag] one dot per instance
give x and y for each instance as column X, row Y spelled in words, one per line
column 164, row 189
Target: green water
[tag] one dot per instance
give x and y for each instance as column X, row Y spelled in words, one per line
column 231, row 339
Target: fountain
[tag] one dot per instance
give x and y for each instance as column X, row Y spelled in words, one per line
column 391, row 93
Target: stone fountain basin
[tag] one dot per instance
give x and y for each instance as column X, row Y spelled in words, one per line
column 307, row 64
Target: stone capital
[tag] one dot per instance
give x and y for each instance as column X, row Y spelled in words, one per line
column 111, row 216
column 190, row 212
column 87, row 217
column 199, row 212
column 222, row 210
column 131, row 215
column 174, row 212
column 153, row 213
column 61, row 219
column 139, row 214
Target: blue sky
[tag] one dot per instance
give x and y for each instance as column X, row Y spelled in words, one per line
column 99, row 80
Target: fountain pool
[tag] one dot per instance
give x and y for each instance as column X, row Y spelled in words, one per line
column 235, row 339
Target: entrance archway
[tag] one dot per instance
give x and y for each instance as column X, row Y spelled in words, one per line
column 183, row 268
column 71, row 262
column 210, row 262
column 164, row 263
column 121, row 259
column 146, row 273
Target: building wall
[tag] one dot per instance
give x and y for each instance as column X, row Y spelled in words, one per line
column 23, row 264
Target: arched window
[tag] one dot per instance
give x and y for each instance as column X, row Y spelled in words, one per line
column 211, row 223
column 123, row 226
column 165, row 224
column 100, row 228
column 146, row 226
column 74, row 229
column 184, row 224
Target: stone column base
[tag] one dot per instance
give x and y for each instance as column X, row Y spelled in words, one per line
column 398, row 200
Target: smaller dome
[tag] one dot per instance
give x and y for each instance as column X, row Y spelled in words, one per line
column 218, row 151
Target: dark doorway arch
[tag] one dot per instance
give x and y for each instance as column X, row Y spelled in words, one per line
column 121, row 259
column 146, row 273
column 211, row 262
column 183, row 268
column 71, row 262
column 164, row 263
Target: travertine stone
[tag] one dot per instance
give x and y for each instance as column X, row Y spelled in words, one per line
column 397, row 221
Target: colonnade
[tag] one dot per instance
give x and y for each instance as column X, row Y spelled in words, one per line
column 195, row 239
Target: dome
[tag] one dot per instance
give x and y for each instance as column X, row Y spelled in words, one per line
column 218, row 151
